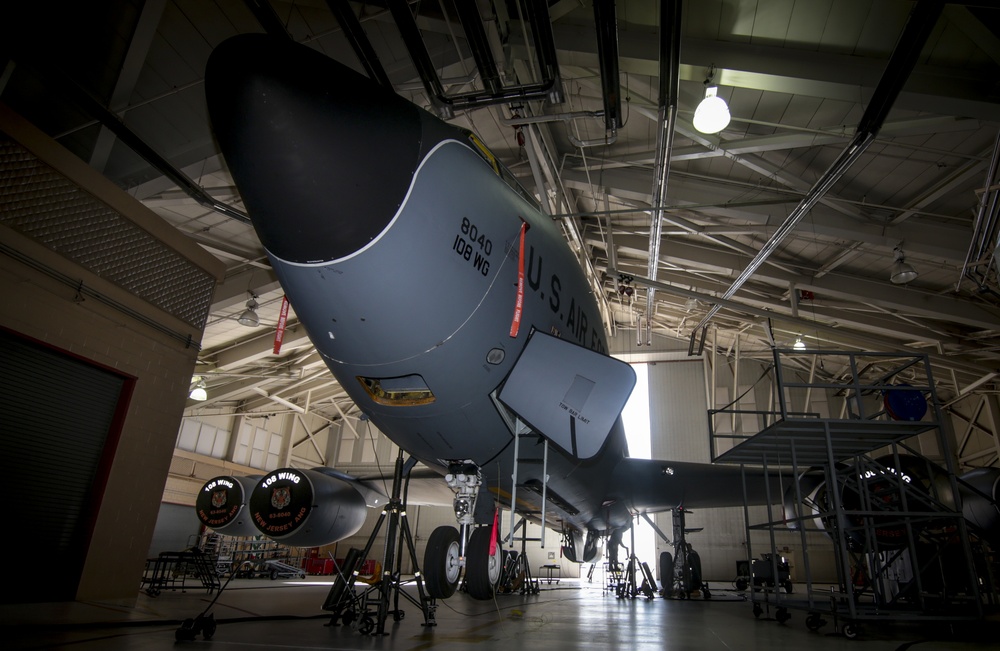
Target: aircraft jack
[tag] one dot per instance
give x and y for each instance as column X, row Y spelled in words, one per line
column 625, row 582
column 350, row 607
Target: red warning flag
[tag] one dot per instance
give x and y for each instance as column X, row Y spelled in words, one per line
column 279, row 334
column 519, row 304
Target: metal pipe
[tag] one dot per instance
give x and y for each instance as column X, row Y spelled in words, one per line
column 355, row 34
column 410, row 34
column 550, row 117
column 606, row 20
column 545, row 48
column 445, row 105
column 513, row 479
column 545, row 485
column 976, row 254
column 268, row 19
column 670, row 54
column 610, row 139
column 475, row 34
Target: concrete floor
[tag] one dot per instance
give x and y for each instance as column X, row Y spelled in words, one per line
column 264, row 614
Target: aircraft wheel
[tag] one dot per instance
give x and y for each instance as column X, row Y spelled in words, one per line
column 666, row 572
column 209, row 625
column 694, row 562
column 441, row 562
column 482, row 570
column 814, row 622
column 187, row 631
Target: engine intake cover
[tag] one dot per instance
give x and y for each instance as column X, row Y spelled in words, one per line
column 221, row 502
column 306, row 508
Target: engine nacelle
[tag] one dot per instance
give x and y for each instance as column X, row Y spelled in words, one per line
column 306, row 508
column 979, row 508
column 221, row 505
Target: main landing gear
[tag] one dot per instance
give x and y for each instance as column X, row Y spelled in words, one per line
column 474, row 548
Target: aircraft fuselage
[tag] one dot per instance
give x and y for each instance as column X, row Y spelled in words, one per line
column 413, row 316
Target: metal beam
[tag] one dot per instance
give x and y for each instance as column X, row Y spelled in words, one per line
column 748, row 64
column 135, row 59
column 856, row 289
column 255, row 349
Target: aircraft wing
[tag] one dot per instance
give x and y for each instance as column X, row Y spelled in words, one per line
column 651, row 486
column 426, row 487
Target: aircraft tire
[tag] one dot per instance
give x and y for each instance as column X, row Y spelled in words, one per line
column 694, row 561
column 666, row 573
column 441, row 562
column 482, row 570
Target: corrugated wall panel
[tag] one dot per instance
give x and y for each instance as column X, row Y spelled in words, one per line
column 677, row 411
column 40, row 203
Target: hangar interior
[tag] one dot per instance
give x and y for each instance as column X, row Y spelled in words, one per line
column 849, row 206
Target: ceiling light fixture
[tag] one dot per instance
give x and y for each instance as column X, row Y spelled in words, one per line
column 712, row 114
column 799, row 344
column 902, row 272
column 249, row 317
column 198, row 392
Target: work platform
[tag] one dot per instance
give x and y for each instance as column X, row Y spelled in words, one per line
column 818, row 441
column 903, row 547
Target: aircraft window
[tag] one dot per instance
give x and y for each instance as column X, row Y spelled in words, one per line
column 406, row 391
column 501, row 170
column 484, row 151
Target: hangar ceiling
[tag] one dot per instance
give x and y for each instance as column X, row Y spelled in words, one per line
column 755, row 223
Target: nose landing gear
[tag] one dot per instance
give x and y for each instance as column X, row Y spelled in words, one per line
column 474, row 548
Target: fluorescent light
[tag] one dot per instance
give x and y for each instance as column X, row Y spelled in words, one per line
column 712, row 114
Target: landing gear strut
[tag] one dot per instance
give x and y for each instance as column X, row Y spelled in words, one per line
column 450, row 550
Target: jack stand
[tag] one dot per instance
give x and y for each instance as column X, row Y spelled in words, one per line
column 516, row 575
column 628, row 586
column 389, row 585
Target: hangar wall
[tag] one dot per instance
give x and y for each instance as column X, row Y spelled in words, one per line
column 72, row 248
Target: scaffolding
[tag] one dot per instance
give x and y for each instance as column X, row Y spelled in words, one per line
column 903, row 549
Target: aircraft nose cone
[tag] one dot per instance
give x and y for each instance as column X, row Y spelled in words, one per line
column 322, row 155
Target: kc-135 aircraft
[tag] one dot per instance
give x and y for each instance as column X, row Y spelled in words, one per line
column 448, row 306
